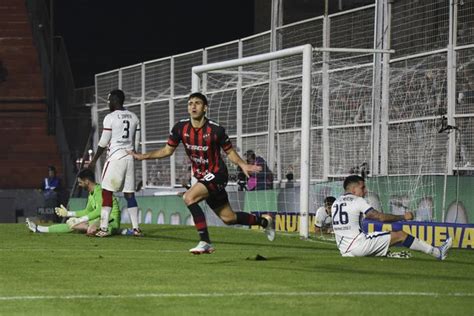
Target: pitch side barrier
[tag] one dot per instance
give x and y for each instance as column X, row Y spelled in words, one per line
column 171, row 210
column 431, row 232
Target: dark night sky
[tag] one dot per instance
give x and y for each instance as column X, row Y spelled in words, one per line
column 102, row 35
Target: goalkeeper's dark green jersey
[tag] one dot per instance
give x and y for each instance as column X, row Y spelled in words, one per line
column 94, row 206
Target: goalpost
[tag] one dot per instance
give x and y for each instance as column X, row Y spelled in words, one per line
column 281, row 129
column 306, row 66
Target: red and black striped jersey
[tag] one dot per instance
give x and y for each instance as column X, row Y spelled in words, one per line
column 203, row 146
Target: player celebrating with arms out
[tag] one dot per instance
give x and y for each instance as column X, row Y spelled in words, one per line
column 203, row 140
column 347, row 213
column 121, row 132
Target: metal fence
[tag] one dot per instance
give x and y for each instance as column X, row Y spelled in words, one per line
column 430, row 80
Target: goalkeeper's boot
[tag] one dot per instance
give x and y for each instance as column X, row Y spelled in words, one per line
column 103, row 232
column 31, row 225
column 202, row 247
column 270, row 228
column 443, row 249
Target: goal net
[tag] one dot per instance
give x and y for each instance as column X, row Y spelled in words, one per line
column 417, row 151
column 404, row 164
column 260, row 102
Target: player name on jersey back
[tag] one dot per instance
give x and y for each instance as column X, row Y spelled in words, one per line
column 123, row 125
column 347, row 213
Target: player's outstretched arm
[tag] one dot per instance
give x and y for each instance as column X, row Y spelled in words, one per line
column 387, row 218
column 156, row 154
column 246, row 168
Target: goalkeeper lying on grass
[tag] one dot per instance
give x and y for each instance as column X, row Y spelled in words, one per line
column 86, row 220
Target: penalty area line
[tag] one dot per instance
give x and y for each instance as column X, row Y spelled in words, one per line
column 214, row 295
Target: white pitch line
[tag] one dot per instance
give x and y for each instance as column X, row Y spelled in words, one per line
column 213, row 295
column 98, row 249
column 90, row 250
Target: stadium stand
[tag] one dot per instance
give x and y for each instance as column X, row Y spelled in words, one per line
column 27, row 148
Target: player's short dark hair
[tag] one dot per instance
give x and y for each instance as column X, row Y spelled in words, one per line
column 86, row 174
column 329, row 200
column 198, row 95
column 117, row 97
column 352, row 179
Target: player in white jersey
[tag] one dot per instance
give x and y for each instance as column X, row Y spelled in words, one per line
column 322, row 219
column 347, row 214
column 121, row 133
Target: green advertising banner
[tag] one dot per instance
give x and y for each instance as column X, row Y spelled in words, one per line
column 423, row 195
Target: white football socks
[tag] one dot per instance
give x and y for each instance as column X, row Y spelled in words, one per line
column 104, row 217
column 133, row 213
column 42, row 229
column 422, row 246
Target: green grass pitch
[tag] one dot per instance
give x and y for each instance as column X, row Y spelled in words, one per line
column 71, row 274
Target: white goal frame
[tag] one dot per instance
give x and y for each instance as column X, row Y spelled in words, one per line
column 307, row 55
column 306, row 51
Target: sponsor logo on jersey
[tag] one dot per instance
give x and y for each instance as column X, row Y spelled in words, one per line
column 197, row 147
column 200, row 160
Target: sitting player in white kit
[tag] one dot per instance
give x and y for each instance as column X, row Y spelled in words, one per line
column 347, row 214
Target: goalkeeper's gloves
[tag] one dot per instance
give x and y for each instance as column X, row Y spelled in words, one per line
column 73, row 221
column 63, row 212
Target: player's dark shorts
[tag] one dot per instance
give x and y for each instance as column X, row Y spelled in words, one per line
column 215, row 184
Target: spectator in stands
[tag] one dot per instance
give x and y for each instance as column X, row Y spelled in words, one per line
column 186, row 177
column 362, row 170
column 51, row 183
column 241, row 180
column 51, row 186
column 289, row 179
column 261, row 180
column 323, row 220
column 52, row 193
column 360, row 114
column 466, row 96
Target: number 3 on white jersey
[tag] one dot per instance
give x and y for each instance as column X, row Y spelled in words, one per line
column 126, row 129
